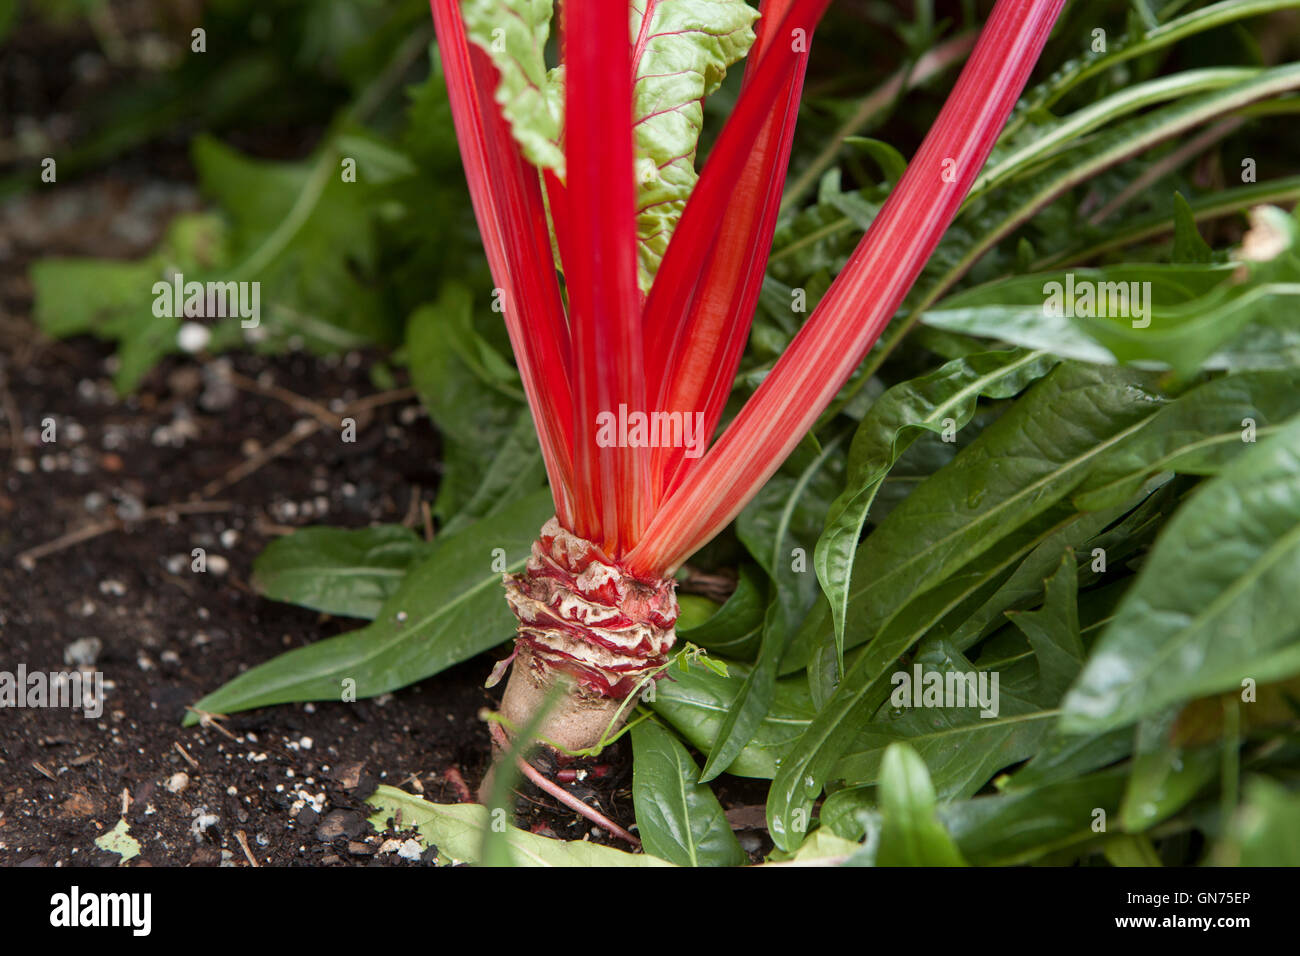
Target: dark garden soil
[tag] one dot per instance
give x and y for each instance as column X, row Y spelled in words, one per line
column 95, row 568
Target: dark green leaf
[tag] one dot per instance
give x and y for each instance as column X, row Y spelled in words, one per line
column 941, row 401
column 734, row 630
column 1266, row 831
column 448, row 608
column 697, row 701
column 338, row 571
column 677, row 818
column 1215, row 602
column 1198, row 434
column 776, row 528
column 1018, row 467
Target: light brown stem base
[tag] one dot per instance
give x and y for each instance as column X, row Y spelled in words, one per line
column 577, row 720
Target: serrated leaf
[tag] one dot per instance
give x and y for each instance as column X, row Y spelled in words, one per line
column 513, row 33
column 1214, row 603
column 677, row 818
column 448, row 608
column 682, row 49
column 338, row 570
column 457, row 831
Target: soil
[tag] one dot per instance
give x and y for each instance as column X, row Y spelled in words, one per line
column 279, row 786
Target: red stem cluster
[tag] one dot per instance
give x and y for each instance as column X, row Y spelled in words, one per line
column 649, row 509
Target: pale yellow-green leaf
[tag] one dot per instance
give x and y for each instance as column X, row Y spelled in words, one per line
column 456, row 829
column 119, row 840
column 514, row 35
column 684, row 52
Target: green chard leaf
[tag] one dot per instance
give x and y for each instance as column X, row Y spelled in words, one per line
column 697, row 701
column 1266, row 830
column 944, row 399
column 964, row 746
column 1187, row 316
column 1215, row 602
column 1013, row 475
column 681, row 51
column 1197, row 434
column 734, row 629
column 117, row 301
column 775, row 528
column 474, row 397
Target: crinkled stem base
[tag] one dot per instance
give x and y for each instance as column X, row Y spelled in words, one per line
column 585, row 620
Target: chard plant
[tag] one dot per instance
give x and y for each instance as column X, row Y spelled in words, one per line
column 661, row 276
column 1013, row 518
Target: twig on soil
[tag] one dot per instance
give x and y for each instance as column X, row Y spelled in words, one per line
column 537, row 779
column 12, row 415
column 428, row 520
column 415, row 782
column 197, row 504
column 194, row 764
column 243, row 845
column 302, row 430
column 290, row 398
column 412, row 508
column 29, row 557
column 41, row 770
column 212, row 720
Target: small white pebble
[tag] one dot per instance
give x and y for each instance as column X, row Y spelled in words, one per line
column 193, row 337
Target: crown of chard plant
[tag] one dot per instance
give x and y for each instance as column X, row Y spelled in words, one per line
column 586, row 172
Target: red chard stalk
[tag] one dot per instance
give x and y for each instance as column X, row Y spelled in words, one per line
column 587, row 171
